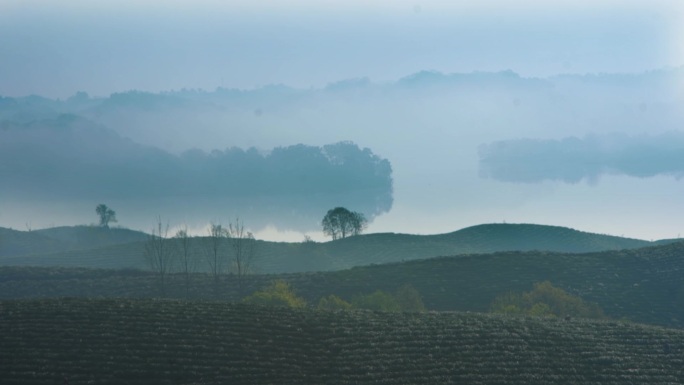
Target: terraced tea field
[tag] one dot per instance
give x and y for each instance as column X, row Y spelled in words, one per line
column 174, row 342
column 644, row 285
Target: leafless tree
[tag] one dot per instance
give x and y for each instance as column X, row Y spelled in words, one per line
column 159, row 253
column 214, row 251
column 186, row 258
column 244, row 251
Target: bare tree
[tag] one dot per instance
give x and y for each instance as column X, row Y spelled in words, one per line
column 244, row 251
column 159, row 253
column 186, row 258
column 214, row 251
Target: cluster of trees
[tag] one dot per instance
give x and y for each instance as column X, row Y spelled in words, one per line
column 75, row 158
column 546, row 300
column 280, row 293
column 226, row 249
column 229, row 247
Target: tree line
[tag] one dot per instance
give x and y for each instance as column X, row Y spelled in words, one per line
column 226, row 249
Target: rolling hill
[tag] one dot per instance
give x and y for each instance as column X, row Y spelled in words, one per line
column 90, row 247
column 15, row 243
column 173, row 342
column 642, row 285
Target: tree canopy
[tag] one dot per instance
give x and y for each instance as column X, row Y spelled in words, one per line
column 106, row 215
column 341, row 223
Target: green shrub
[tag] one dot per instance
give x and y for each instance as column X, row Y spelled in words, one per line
column 509, row 303
column 333, row 302
column 376, row 301
column 279, row 293
column 546, row 300
column 409, row 299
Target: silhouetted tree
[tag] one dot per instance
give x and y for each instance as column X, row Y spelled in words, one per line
column 341, row 223
column 214, row 252
column 187, row 260
column 244, row 250
column 106, row 215
column 158, row 252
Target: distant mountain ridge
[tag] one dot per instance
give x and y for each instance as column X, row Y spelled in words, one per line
column 87, row 247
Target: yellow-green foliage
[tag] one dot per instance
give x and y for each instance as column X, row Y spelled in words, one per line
column 406, row 299
column 333, row 302
column 409, row 299
column 379, row 300
column 279, row 293
column 545, row 300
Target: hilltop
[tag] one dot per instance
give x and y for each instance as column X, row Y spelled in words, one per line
column 96, row 249
column 144, row 341
column 63, row 239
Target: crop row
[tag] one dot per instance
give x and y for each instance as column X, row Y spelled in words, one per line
column 144, row 341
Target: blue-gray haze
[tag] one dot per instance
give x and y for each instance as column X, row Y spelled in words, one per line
column 565, row 114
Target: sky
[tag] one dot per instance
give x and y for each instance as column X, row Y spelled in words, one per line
column 56, row 48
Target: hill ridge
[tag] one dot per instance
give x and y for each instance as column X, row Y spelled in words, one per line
column 377, row 248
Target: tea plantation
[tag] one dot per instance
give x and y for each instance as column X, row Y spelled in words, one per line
column 644, row 285
column 117, row 341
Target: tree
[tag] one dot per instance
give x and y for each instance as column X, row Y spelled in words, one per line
column 244, row 250
column 186, row 258
column 341, row 223
column 215, row 254
column 158, row 252
column 106, row 215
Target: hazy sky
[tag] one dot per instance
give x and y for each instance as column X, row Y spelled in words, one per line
column 55, row 48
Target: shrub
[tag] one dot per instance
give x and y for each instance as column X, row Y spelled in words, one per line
column 409, row 299
column 376, row 301
column 546, row 300
column 279, row 293
column 333, row 302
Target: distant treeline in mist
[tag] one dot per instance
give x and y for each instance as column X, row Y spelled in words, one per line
column 71, row 157
column 573, row 159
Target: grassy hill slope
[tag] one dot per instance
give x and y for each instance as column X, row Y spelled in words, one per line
column 14, row 242
column 172, row 342
column 279, row 257
column 644, row 285
column 91, row 237
column 65, row 239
